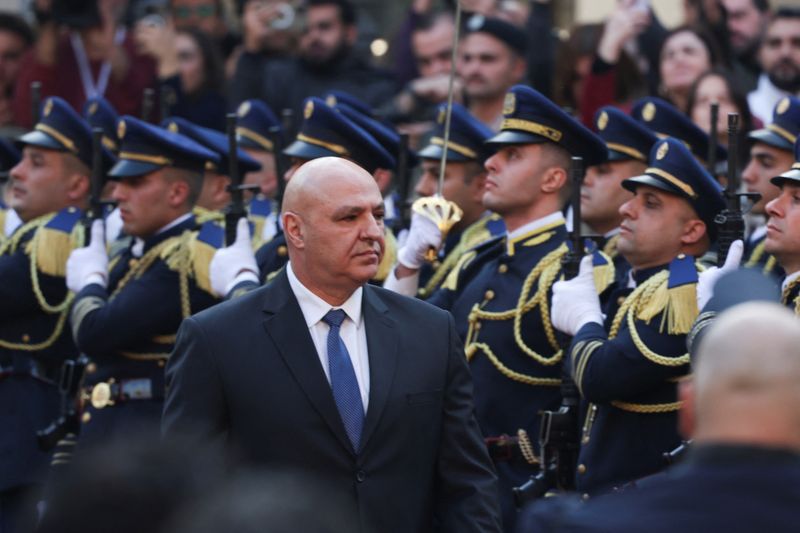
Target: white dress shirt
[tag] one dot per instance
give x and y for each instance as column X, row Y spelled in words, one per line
column 764, row 98
column 353, row 332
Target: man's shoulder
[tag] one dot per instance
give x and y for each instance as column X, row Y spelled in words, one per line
column 221, row 316
column 412, row 306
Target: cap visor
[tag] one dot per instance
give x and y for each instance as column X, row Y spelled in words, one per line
column 308, row 151
column 40, row 138
column 126, row 168
column 613, row 155
column 652, row 181
column 433, row 151
column 770, row 138
column 244, row 142
column 792, row 175
column 515, row 137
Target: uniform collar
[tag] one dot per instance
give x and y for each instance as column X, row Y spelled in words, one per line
column 140, row 246
column 315, row 308
column 532, row 228
column 789, row 279
column 640, row 276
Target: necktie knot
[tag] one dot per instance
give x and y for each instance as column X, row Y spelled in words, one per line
column 334, row 318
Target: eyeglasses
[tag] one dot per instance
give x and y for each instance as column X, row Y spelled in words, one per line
column 202, row 11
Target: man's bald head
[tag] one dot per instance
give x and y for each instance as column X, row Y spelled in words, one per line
column 747, row 378
column 333, row 223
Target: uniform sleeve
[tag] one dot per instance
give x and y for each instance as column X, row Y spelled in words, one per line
column 17, row 295
column 194, row 401
column 468, row 494
column 608, row 369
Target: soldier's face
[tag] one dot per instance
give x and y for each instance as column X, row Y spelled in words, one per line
column 602, row 193
column 147, row 203
column 766, row 162
column 44, row 181
column 514, row 180
column 783, row 228
column 266, row 178
column 654, row 227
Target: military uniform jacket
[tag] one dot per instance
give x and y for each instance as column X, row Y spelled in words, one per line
column 629, row 379
column 128, row 330
column 34, row 338
column 756, row 257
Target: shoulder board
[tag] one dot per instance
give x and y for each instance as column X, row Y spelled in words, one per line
column 495, row 225
column 389, row 256
column 260, row 207
column 673, row 294
column 604, row 271
column 54, row 241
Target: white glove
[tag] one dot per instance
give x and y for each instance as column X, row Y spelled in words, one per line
column 423, row 234
column 575, row 302
column 89, row 264
column 235, row 263
column 706, row 280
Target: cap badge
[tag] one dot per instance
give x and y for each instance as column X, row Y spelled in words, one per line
column 92, row 108
column 309, row 109
column 662, row 151
column 121, row 129
column 475, row 22
column 244, row 108
column 331, row 100
column 173, row 127
column 649, row 111
column 602, row 121
column 783, row 105
column 48, row 107
column 509, row 104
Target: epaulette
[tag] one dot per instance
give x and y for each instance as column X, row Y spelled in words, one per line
column 670, row 294
column 54, row 240
column 188, row 255
column 202, row 215
column 476, row 255
column 202, row 246
column 260, row 207
column 602, row 265
column 389, row 255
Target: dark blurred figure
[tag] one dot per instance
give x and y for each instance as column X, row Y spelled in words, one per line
column 718, row 85
column 746, row 23
column 742, row 471
column 278, row 502
column 190, row 68
column 131, row 486
column 207, row 16
column 327, row 61
column 780, row 61
column 82, row 51
column 15, row 39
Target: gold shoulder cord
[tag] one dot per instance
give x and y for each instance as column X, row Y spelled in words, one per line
column 467, row 240
column 758, row 252
column 62, row 308
column 787, row 292
column 545, row 273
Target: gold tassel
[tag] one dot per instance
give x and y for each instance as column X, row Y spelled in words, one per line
column 603, row 276
column 389, row 256
column 678, row 306
column 201, row 255
column 52, row 251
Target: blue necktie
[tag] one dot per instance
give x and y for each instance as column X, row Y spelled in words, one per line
column 343, row 379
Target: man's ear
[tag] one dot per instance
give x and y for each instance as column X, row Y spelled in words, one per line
column 553, row 180
column 686, row 416
column 693, row 230
column 294, row 230
column 177, row 193
column 78, row 187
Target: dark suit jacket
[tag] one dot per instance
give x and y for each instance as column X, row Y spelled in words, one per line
column 247, row 371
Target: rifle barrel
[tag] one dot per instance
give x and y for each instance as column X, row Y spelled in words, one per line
column 712, row 141
column 36, row 101
column 236, row 209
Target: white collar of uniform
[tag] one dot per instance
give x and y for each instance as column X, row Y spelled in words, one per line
column 789, row 278
column 12, row 222
column 533, row 225
column 138, row 243
column 758, row 233
column 315, row 308
column 611, row 233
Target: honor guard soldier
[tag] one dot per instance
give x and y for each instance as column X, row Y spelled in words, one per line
column 464, row 182
column 665, row 120
column 48, row 189
column 256, row 129
column 127, row 309
column 9, row 157
column 325, row 132
column 771, row 153
column 214, row 196
column 499, row 292
column 783, row 231
column 602, row 193
column 628, row 371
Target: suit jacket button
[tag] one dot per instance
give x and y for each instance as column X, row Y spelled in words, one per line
column 361, row 476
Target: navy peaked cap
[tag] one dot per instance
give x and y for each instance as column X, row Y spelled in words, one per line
column 626, row 138
column 99, row 113
column 326, row 132
column 529, row 117
column 145, row 148
column 666, row 120
column 673, row 168
column 782, row 132
column 468, row 136
column 255, row 124
column 506, row 32
column 215, row 141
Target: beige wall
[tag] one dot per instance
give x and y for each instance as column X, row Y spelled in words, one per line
column 670, row 12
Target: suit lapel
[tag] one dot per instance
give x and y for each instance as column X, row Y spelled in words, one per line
column 382, row 342
column 286, row 326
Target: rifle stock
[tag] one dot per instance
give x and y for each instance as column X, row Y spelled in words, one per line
column 235, row 209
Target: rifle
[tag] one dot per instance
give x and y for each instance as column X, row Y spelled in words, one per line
column 559, row 431
column 712, row 141
column 403, row 183
column 730, row 222
column 147, row 104
column 66, row 427
column 36, row 101
column 164, row 96
column 235, row 209
column 277, row 135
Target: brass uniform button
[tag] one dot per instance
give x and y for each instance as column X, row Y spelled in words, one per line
column 26, row 337
column 282, row 251
column 91, row 368
column 86, row 417
column 502, row 268
column 489, row 295
column 581, row 469
column 620, row 300
column 585, row 497
column 161, row 363
column 132, row 263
